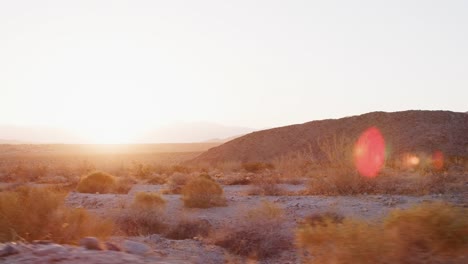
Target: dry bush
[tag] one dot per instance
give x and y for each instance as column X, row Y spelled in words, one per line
column 101, row 182
column 203, row 192
column 97, row 182
column 141, row 171
column 38, row 213
column 135, row 221
column 435, row 229
column 428, row 233
column 262, row 233
column 176, row 182
column 294, row 166
column 148, row 200
column 188, row 229
column 236, row 179
column 256, row 167
column 340, row 182
column 266, row 187
column 156, row 179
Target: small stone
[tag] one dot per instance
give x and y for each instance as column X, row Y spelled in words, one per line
column 49, row 250
column 112, row 246
column 90, row 243
column 8, row 250
column 136, row 248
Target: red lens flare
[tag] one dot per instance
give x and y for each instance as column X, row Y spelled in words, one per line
column 438, row 160
column 369, row 152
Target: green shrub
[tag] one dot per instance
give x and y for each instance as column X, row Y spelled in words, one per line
column 201, row 192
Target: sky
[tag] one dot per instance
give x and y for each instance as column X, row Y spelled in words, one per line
column 113, row 70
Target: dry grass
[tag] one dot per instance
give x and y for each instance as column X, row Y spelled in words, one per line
column 188, row 229
column 28, row 213
column 428, row 233
column 256, row 167
column 266, row 187
column 148, row 200
column 203, row 192
column 176, row 182
column 262, row 233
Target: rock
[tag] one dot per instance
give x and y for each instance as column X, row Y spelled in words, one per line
column 8, row 250
column 90, row 243
column 49, row 250
column 112, row 246
column 136, row 248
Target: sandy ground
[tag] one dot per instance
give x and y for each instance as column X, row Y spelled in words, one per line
column 370, row 207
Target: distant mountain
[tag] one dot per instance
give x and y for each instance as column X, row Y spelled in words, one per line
column 36, row 135
column 12, row 142
column 194, row 132
column 408, row 131
column 222, row 140
column 176, row 133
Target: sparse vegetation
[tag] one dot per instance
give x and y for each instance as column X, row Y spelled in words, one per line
column 148, row 200
column 188, row 229
column 202, row 192
column 28, row 213
column 256, row 167
column 430, row 232
column 262, row 234
column 101, row 182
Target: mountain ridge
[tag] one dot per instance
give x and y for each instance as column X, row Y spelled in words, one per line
column 404, row 131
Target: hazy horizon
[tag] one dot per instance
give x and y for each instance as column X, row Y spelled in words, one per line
column 111, row 71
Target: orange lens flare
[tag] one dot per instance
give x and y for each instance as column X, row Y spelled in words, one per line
column 413, row 161
column 438, row 160
column 369, row 152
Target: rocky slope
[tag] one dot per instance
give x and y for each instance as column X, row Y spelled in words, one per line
column 407, row 131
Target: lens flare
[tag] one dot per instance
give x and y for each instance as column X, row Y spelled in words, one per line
column 413, row 161
column 438, row 160
column 369, row 152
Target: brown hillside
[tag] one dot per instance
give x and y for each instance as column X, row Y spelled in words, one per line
column 408, row 131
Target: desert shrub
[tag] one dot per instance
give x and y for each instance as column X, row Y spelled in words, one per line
column 156, row 180
column 323, row 218
column 340, row 182
column 261, row 234
column 140, row 222
column 176, row 182
column 148, row 200
column 266, row 187
column 434, row 229
column 236, row 179
column 141, row 171
column 123, row 185
column 346, row 242
column 145, row 216
column 101, row 182
column 38, row 213
column 97, row 182
column 201, row 192
column 179, row 169
column 188, row 229
column 256, row 167
column 427, row 233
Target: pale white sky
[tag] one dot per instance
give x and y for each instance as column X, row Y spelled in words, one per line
column 127, row 66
